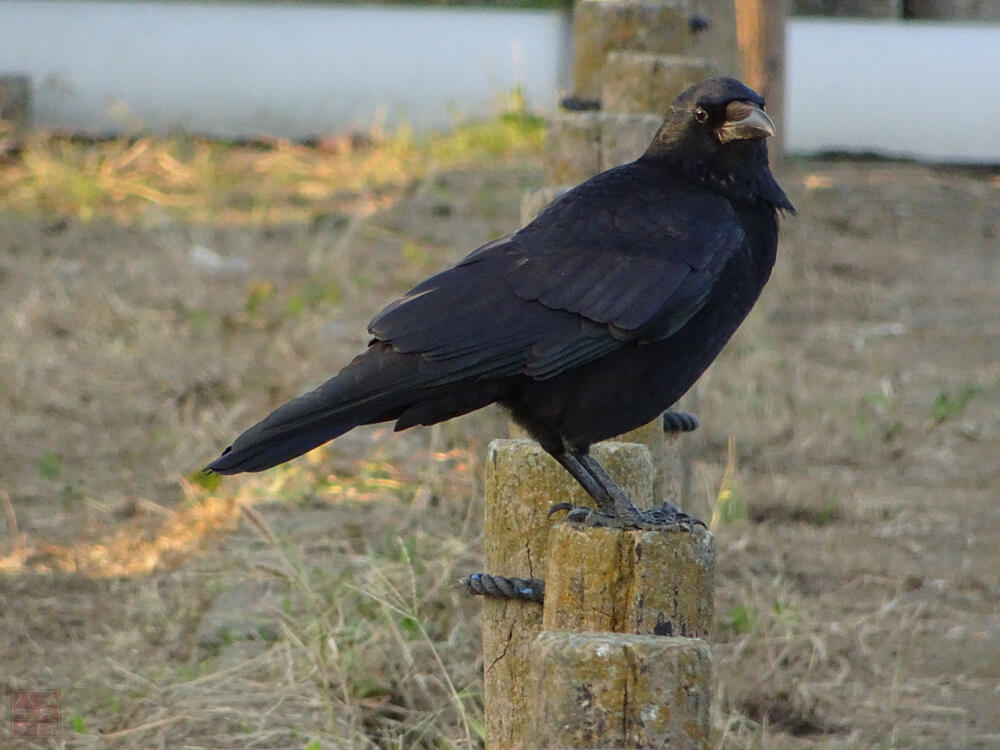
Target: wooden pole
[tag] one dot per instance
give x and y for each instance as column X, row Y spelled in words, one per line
column 639, row 587
column 522, row 483
column 15, row 112
column 760, row 28
column 618, row 597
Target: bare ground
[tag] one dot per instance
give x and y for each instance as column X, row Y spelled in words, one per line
column 857, row 592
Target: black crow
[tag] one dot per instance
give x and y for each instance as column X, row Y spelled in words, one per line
column 588, row 322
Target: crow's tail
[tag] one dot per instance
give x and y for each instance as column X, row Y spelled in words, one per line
column 377, row 386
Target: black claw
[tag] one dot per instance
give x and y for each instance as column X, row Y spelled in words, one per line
column 582, row 514
column 670, row 515
column 561, row 506
column 586, row 516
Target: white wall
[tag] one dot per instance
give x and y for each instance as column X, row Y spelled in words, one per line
column 928, row 90
column 291, row 70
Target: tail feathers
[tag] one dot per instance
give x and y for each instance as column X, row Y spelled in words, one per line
column 373, row 388
column 250, row 454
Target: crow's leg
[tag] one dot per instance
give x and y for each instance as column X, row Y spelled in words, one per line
column 615, row 509
column 622, row 506
column 607, row 494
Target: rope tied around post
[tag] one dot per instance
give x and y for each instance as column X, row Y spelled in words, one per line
column 503, row 587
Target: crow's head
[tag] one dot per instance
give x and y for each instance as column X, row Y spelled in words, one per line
column 715, row 132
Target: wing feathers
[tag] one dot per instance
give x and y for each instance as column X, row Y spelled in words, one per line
column 585, row 278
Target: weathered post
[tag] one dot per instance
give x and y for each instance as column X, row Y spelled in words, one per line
column 642, row 582
column 693, row 28
column 611, row 690
column 15, row 112
column 630, row 59
column 761, row 31
column 522, row 483
column 612, row 599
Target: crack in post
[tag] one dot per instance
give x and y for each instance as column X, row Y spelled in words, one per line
column 506, row 645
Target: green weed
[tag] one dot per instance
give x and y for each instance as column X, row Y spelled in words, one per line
column 49, row 466
column 947, row 406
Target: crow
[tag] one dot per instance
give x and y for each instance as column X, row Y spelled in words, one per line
column 586, row 323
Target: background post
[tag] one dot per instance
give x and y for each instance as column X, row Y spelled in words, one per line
column 760, row 28
column 15, row 112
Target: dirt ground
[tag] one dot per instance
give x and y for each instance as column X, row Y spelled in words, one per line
column 314, row 606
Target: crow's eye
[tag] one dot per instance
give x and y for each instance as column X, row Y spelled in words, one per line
column 701, row 115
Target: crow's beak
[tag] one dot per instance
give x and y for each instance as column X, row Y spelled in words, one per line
column 744, row 120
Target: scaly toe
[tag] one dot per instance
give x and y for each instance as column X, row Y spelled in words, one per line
column 585, row 516
column 667, row 517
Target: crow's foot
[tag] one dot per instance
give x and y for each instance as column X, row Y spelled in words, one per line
column 666, row 517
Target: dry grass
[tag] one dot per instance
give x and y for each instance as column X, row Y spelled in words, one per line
column 157, row 296
column 202, row 181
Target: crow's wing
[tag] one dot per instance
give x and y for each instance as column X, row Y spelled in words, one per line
column 627, row 257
